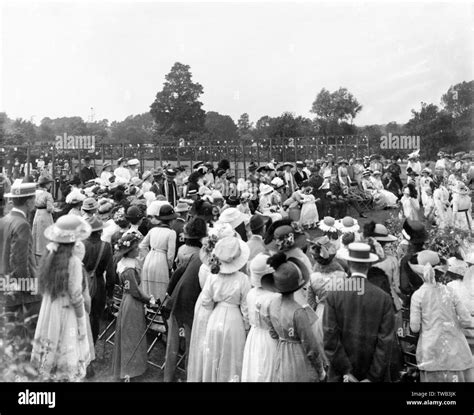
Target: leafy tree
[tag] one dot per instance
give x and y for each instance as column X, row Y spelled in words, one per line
column 135, row 129
column 334, row 109
column 459, row 99
column 220, row 126
column 177, row 110
column 244, row 125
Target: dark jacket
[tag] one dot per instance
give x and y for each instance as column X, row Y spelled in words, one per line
column 358, row 332
column 88, row 173
column 184, row 290
column 315, row 181
column 104, row 284
column 16, row 255
column 300, row 177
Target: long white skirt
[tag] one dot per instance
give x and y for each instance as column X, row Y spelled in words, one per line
column 57, row 351
column 259, row 356
column 155, row 274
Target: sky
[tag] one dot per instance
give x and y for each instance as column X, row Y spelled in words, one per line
column 64, row 58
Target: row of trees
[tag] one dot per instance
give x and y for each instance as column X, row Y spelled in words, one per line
column 177, row 112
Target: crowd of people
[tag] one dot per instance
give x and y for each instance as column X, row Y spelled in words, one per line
column 267, row 277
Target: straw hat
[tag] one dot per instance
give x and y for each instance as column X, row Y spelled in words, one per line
column 381, row 234
column 259, row 267
column 68, row 229
column 96, row 224
column 347, row 224
column 19, row 189
column 181, row 207
column 133, row 162
column 90, row 204
column 45, row 179
column 219, row 231
column 232, row 254
column 328, row 224
column 75, row 196
column 359, row 252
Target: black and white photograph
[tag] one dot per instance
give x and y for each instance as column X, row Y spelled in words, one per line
column 245, row 193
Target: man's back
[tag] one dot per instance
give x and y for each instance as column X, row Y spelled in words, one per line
column 358, row 331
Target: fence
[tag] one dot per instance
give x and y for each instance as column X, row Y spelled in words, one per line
column 183, row 152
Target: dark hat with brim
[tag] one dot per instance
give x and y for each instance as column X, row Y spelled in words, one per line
column 167, row 213
column 300, row 238
column 288, row 277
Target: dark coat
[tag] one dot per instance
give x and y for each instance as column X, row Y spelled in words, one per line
column 16, row 255
column 184, row 290
column 88, row 173
column 358, row 332
column 300, row 177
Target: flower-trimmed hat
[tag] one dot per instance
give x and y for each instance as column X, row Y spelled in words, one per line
column 347, row 224
column 232, row 254
column 90, row 204
column 289, row 276
column 68, row 229
column 277, row 183
column 324, row 250
column 266, row 189
column 219, row 231
column 233, row 216
column 75, row 196
column 328, row 224
column 285, row 235
column 127, row 242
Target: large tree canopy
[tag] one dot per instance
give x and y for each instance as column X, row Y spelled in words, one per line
column 177, row 110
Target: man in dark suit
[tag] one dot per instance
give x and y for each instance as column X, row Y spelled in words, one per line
column 359, row 325
column 169, row 189
column 316, row 181
column 19, row 298
column 87, row 172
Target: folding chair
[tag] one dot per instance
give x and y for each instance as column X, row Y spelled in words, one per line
column 408, row 342
column 117, row 301
column 159, row 327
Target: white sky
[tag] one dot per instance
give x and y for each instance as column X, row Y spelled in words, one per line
column 61, row 59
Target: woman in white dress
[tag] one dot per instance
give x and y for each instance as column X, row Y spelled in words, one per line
column 160, row 241
column 43, row 217
column 106, row 173
column 410, row 204
column 225, row 294
column 382, row 197
column 202, row 314
column 62, row 347
column 443, row 211
column 462, row 207
column 268, row 204
column 260, row 347
column 309, row 212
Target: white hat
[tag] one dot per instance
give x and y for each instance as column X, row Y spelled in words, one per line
column 68, row 229
column 266, row 189
column 381, row 234
column 19, row 189
column 258, row 267
column 233, row 216
column 277, row 183
column 328, row 224
column 75, row 196
column 154, row 208
column 359, row 252
column 232, row 254
column 133, row 162
column 347, row 224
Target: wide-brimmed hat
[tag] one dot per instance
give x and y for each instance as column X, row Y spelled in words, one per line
column 262, row 168
column 376, row 173
column 121, row 159
column 89, row 204
column 287, row 165
column 359, row 252
column 197, row 165
column 324, row 250
column 133, row 162
column 214, row 234
column 343, row 161
column 232, row 254
column 106, row 164
column 259, row 267
column 426, row 170
column 128, row 242
column 414, row 231
column 461, row 188
column 366, row 173
column 286, row 237
column 96, row 224
column 381, row 234
column 289, row 276
column 68, row 229
column 266, row 189
column 146, row 175
column 300, row 164
column 414, row 155
column 19, row 189
column 233, row 201
column 277, row 183
column 166, row 212
column 45, row 179
column 347, row 224
column 170, row 172
column 233, row 216
column 328, row 224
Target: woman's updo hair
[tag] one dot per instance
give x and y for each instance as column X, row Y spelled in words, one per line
column 348, row 238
